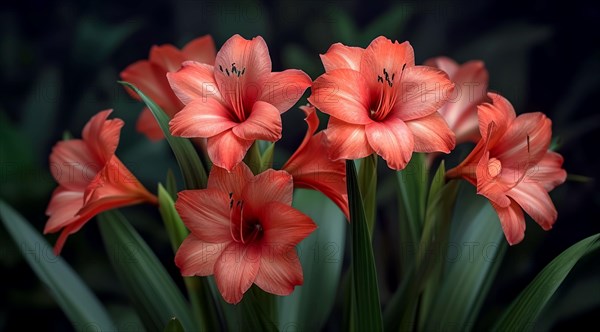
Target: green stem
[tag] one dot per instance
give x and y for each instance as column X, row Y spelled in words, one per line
column 203, row 306
column 367, row 182
column 253, row 158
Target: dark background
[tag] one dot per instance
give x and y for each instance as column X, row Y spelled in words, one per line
column 60, row 61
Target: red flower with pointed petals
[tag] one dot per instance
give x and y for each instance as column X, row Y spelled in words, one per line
column 512, row 167
column 312, row 169
column 244, row 231
column 236, row 101
column 380, row 102
column 91, row 178
column 470, row 89
column 150, row 76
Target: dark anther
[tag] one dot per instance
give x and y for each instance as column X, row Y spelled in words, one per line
column 243, row 70
column 220, row 68
column 227, row 71
column 379, row 79
column 403, row 66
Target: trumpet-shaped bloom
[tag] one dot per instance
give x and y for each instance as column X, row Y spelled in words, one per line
column 236, row 101
column 470, row 89
column 380, row 102
column 150, row 76
column 512, row 166
column 244, row 231
column 91, row 178
column 311, row 168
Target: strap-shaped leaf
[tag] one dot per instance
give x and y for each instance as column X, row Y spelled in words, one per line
column 153, row 292
column 72, row 295
column 194, row 174
column 364, row 276
column 472, row 256
column 321, row 255
column 522, row 314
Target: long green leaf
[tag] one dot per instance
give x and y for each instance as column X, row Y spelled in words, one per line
column 198, row 288
column 152, row 290
column 76, row 300
column 522, row 314
column 412, row 189
column 321, row 257
column 472, row 255
column 364, row 276
column 367, row 183
column 174, row 325
column 191, row 167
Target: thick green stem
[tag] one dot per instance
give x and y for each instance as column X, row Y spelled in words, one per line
column 367, row 182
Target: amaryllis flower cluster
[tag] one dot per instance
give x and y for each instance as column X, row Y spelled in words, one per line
column 243, row 229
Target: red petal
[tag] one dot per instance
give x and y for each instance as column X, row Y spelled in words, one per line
column 445, row 64
column 236, row 269
column 548, row 172
column 423, row 90
column 534, row 199
column 194, row 81
column 202, row 118
column 232, row 181
column 525, row 142
column 499, row 112
column 432, row 134
column 167, row 56
column 102, row 135
column 206, row 214
column 382, row 54
column 73, row 164
column 346, row 141
column 311, row 168
column 280, row 273
column 268, row 186
column 151, row 79
column 284, row 89
column 340, row 56
column 264, row 123
column 284, row 227
column 343, row 94
column 147, row 125
column 312, row 119
column 227, row 150
column 494, row 188
column 251, row 57
column 197, row 258
column 392, row 140
column 113, row 187
column 471, row 82
column 512, row 221
column 62, row 209
column 201, row 49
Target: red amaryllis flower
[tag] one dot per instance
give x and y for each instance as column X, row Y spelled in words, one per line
column 91, row 178
column 244, row 231
column 380, row 102
column 150, row 76
column 236, row 101
column 312, row 169
column 470, row 89
column 512, row 167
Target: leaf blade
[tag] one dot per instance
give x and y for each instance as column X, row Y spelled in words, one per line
column 76, row 300
column 193, row 171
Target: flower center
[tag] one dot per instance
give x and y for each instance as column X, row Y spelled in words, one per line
column 494, row 167
column 244, row 229
column 237, row 102
column 387, row 94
